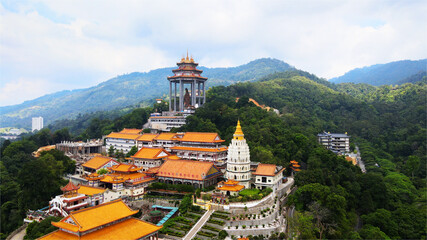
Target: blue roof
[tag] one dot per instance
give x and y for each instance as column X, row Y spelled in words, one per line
column 169, row 215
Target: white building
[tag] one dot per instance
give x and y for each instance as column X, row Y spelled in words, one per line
column 268, row 176
column 37, row 123
column 336, row 142
column 238, row 162
column 121, row 141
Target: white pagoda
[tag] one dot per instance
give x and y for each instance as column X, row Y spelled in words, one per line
column 238, row 161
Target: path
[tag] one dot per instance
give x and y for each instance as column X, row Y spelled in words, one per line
column 20, row 235
column 198, row 225
column 359, row 160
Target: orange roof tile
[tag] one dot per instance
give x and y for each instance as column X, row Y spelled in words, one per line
column 186, row 169
column 235, row 188
column 98, row 162
column 129, row 136
column 173, row 157
column 113, row 179
column 265, row 169
column 69, row 187
column 125, row 168
column 222, row 149
column 93, row 217
column 147, row 137
column 135, row 229
column 166, row 136
column 144, row 180
column 90, row 191
column 131, row 130
column 153, row 170
column 151, row 153
column 201, row 137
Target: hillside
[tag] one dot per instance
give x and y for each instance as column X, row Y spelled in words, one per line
column 383, row 74
column 126, row 90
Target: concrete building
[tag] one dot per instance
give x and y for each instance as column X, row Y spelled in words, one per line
column 238, row 161
column 268, row 176
column 336, row 142
column 37, row 123
column 121, row 141
column 84, row 148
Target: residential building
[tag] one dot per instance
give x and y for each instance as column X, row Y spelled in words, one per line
column 238, row 162
column 195, row 173
column 336, row 142
column 268, row 176
column 112, row 220
column 37, row 123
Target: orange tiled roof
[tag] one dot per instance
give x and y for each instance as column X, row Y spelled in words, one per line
column 147, row 137
column 231, row 182
column 153, row 170
column 144, row 180
column 90, row 191
column 222, row 149
column 185, row 169
column 98, row 162
column 93, row 217
column 113, row 179
column 125, row 168
column 201, row 137
column 234, row 188
column 151, row 153
column 265, row 169
column 69, row 187
column 166, row 136
column 173, row 157
column 129, row 176
column 131, row 130
column 129, row 136
column 135, row 229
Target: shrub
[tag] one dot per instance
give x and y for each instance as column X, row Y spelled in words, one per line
column 244, row 226
column 211, row 228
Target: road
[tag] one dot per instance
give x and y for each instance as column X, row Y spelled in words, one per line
column 359, row 160
column 20, row 235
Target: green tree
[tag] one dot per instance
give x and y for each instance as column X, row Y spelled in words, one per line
column 111, row 151
column 412, row 165
column 132, row 151
column 371, row 232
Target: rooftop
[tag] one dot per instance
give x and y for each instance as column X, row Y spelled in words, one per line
column 125, row 168
column 131, row 130
column 266, row 169
column 129, row 136
column 201, row 137
column 166, row 136
column 90, row 191
column 147, row 137
column 98, row 162
column 134, row 229
column 151, row 153
column 93, row 217
column 195, row 149
column 187, row 169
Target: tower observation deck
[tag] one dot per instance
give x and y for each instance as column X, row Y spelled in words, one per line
column 186, row 86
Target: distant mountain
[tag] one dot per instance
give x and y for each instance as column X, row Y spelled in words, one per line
column 420, row 76
column 383, row 74
column 126, row 90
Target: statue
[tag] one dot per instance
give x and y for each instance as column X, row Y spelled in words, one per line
column 187, row 99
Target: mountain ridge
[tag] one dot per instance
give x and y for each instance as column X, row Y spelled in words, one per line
column 383, row 74
column 126, row 90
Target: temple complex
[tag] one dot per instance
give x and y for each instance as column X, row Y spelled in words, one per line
column 71, row 200
column 149, row 157
column 112, row 220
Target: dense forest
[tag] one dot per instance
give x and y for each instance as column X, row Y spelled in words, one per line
column 334, row 198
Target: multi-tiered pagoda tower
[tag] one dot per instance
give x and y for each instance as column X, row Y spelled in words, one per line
column 187, row 80
column 238, row 162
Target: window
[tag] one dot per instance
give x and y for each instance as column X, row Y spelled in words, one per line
column 264, row 179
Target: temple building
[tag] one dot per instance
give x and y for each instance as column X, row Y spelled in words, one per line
column 146, row 140
column 201, row 146
column 195, row 173
column 167, row 140
column 238, row 162
column 112, row 220
column 149, row 157
column 186, row 74
column 186, row 93
column 121, row 141
column 268, row 176
column 71, row 200
column 97, row 163
column 230, row 188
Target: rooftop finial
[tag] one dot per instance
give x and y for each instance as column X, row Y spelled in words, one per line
column 187, row 55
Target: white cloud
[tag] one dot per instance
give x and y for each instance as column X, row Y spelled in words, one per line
column 80, row 43
column 23, row 89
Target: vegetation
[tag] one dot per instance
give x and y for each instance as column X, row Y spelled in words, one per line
column 28, row 182
column 36, row 229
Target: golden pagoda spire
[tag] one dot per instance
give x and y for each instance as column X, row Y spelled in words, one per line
column 187, row 56
column 238, row 134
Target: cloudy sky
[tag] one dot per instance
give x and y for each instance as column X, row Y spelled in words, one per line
column 53, row 45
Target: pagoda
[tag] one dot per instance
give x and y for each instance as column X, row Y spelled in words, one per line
column 191, row 96
column 238, row 161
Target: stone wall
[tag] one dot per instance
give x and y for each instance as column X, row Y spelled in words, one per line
column 268, row 219
column 16, row 231
column 253, row 231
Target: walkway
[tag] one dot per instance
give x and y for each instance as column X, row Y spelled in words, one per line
column 20, row 235
column 198, row 225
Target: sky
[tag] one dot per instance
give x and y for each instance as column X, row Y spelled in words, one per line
column 53, row 45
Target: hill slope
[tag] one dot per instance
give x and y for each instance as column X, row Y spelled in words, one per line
column 383, row 74
column 125, row 90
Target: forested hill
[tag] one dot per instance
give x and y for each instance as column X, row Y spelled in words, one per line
column 384, row 74
column 126, row 90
